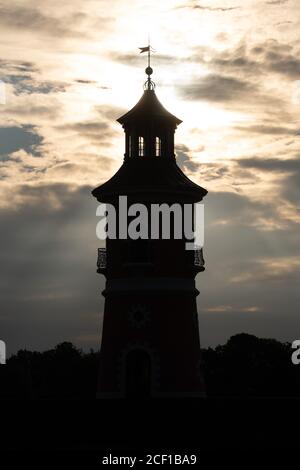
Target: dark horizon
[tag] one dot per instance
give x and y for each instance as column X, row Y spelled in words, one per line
column 246, row 366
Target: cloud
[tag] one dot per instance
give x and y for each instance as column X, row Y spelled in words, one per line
column 285, row 64
column 94, row 130
column 195, row 6
column 14, row 138
column 33, row 19
column 48, row 254
column 25, row 84
column 109, row 112
column 280, row 23
column 289, row 170
column 85, row 82
column 24, row 77
column 99, row 130
column 231, row 59
column 246, row 190
column 22, row 17
column 270, row 269
column 276, row 2
column 236, row 210
column 71, row 171
column 138, row 60
column 18, row 65
column 269, row 130
column 216, row 88
column 268, row 56
column 58, row 23
column 29, row 111
column 231, row 308
column 184, row 160
column 264, row 189
column 246, row 79
column 271, row 164
column 240, row 259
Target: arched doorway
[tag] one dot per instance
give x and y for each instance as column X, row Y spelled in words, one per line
column 138, row 373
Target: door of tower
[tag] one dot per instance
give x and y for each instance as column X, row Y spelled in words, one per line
column 138, row 374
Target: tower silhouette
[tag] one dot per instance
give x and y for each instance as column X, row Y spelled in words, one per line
column 150, row 342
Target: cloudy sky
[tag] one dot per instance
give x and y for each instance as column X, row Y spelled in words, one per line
column 230, row 69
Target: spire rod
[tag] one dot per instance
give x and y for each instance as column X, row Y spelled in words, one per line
column 149, row 84
column 149, row 50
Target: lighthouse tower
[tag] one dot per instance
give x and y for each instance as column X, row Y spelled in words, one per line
column 150, row 342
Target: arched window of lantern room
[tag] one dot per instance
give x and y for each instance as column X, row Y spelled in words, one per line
column 157, row 146
column 141, row 147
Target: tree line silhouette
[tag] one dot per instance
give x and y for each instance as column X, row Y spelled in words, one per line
column 246, row 366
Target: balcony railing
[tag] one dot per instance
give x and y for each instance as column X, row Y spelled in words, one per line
column 198, row 258
column 101, row 261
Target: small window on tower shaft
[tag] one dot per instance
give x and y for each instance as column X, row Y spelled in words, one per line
column 141, row 147
column 157, row 147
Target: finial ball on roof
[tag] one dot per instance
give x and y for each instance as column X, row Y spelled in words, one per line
column 149, row 71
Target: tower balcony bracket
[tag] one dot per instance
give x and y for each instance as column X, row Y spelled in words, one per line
column 199, row 261
column 101, row 261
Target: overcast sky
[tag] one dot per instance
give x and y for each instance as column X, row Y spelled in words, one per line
column 230, row 69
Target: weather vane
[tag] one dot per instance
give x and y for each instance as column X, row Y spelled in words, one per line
column 149, row 84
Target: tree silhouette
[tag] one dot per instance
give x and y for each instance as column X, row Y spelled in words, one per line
column 244, row 366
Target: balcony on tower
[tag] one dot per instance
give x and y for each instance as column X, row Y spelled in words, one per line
column 198, row 263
